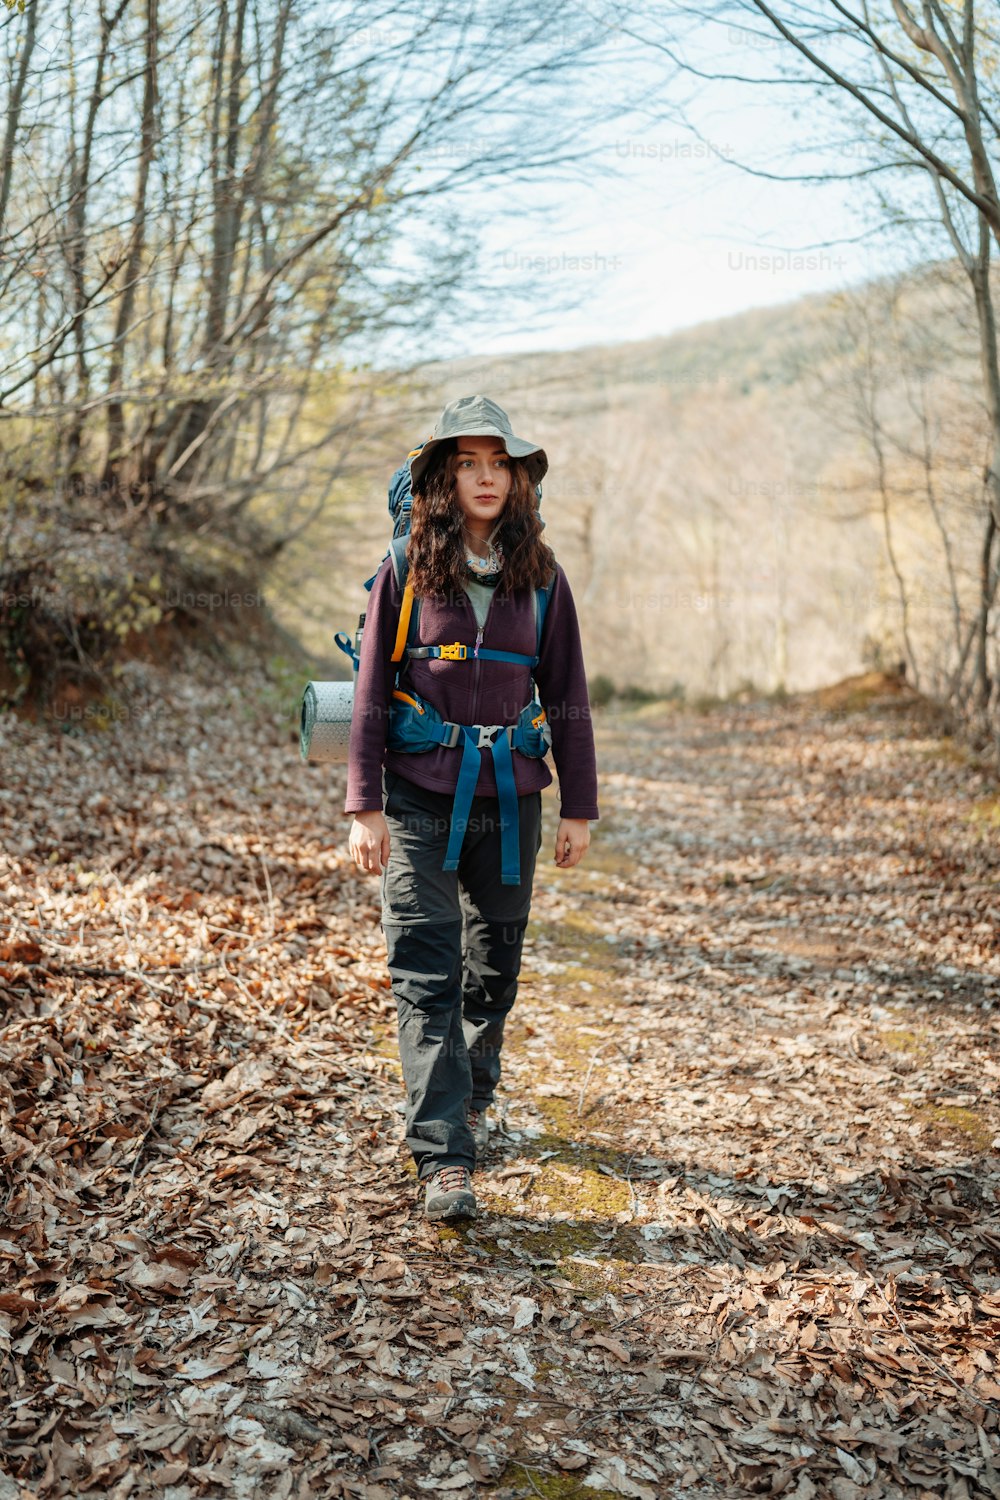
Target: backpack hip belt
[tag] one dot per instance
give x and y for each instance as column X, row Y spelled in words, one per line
column 415, row 725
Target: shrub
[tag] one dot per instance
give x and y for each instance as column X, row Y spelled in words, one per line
column 600, row 690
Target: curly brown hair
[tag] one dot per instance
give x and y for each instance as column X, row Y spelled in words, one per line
column 436, row 550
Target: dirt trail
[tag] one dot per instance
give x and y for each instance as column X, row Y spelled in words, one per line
column 741, row 1229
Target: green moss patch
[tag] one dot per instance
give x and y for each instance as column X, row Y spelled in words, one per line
column 559, row 1241
column 912, row 1043
column 384, row 1042
column 569, row 1189
column 448, row 1234
column 952, row 1119
column 603, row 859
column 578, row 936
column 566, row 1123
column 530, row 1481
column 592, row 1155
column 597, row 974
column 985, row 814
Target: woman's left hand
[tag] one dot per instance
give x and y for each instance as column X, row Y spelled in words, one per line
column 572, row 841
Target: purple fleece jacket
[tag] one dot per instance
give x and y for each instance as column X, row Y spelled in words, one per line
column 474, row 692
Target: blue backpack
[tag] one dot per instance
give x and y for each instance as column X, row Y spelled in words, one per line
column 415, row 725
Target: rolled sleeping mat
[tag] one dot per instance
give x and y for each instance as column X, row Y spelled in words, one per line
column 325, row 720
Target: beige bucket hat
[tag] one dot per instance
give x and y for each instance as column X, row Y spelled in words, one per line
column 477, row 416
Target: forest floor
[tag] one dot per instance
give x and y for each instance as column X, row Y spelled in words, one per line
column 740, row 1226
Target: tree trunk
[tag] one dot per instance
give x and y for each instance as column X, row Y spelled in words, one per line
column 133, row 265
column 982, row 685
column 986, row 319
column 188, row 449
column 76, row 248
column 14, row 111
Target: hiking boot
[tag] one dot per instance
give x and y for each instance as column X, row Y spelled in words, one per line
column 449, row 1194
column 480, row 1127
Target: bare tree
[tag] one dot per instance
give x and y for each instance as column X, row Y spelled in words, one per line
column 15, row 100
column 133, row 263
column 201, row 255
column 918, row 85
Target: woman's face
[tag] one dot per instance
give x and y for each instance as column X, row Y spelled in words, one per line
column 482, row 482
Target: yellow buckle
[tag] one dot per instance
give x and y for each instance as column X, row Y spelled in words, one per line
column 455, row 652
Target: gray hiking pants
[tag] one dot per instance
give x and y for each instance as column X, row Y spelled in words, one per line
column 453, row 944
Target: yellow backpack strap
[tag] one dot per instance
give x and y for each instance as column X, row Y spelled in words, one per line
column 404, row 622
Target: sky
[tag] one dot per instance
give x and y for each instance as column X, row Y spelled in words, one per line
column 669, row 233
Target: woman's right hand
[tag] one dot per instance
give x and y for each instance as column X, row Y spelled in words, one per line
column 369, row 842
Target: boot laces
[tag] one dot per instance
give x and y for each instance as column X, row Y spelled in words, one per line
column 452, row 1179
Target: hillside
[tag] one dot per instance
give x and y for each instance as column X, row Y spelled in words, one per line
column 711, row 494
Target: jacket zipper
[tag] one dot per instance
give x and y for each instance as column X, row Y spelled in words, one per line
column 477, row 667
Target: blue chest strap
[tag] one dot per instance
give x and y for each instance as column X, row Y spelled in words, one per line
column 459, row 652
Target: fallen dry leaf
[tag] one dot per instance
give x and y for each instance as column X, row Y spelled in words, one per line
column 740, row 1218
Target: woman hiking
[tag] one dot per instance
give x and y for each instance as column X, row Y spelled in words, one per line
column 445, row 770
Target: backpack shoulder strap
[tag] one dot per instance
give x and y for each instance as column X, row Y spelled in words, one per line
column 400, row 566
column 409, row 613
column 541, row 604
